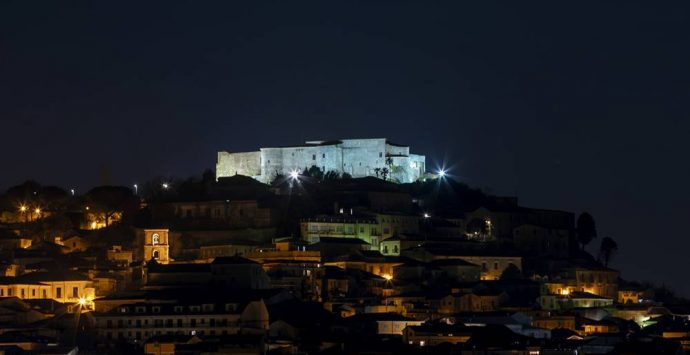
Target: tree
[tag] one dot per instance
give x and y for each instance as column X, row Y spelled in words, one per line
column 512, row 272
column 377, row 171
column 346, row 176
column 331, row 175
column 607, row 249
column 109, row 200
column 384, row 173
column 586, row 229
column 315, row 172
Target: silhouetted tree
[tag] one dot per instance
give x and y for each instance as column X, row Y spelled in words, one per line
column 586, row 229
column 346, row 176
column 384, row 173
column 108, row 200
column 512, row 272
column 377, row 171
column 331, row 175
column 607, row 249
column 315, row 172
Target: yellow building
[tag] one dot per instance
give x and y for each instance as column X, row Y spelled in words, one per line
column 156, row 245
column 431, row 335
column 554, row 322
column 598, row 281
column 65, row 287
column 362, row 227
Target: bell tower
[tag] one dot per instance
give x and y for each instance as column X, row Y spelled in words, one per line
column 156, row 245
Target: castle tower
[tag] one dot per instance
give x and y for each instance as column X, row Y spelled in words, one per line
column 156, row 245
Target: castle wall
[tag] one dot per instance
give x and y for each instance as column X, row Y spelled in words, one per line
column 230, row 164
column 357, row 157
column 362, row 156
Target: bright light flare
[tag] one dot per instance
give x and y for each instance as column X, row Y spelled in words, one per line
column 294, row 174
column 22, row 208
column 82, row 301
column 441, row 173
column 426, row 215
column 388, row 277
column 165, row 185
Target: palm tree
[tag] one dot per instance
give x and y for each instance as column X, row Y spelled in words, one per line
column 607, row 249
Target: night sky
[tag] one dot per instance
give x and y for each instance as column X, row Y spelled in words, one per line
column 581, row 107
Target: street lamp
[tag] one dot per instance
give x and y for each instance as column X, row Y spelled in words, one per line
column 136, row 189
column 441, row 173
column 165, row 185
column 72, row 191
column 294, row 174
column 22, row 208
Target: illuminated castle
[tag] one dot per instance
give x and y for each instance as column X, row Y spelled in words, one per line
column 357, row 157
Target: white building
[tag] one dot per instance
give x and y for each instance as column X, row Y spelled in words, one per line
column 357, row 157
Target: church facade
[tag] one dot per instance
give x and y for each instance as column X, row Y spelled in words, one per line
column 357, row 157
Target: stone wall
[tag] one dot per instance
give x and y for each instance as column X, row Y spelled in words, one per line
column 357, row 157
column 246, row 163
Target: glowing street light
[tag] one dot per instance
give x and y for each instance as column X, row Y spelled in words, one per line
column 136, row 189
column 441, row 173
column 82, row 301
column 426, row 215
column 22, row 208
column 294, row 174
column 72, row 191
column 165, row 185
column 388, row 277
column 37, row 210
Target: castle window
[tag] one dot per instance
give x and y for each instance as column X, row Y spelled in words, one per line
column 323, row 155
column 380, row 155
column 155, row 239
column 156, row 254
column 268, row 161
column 313, row 157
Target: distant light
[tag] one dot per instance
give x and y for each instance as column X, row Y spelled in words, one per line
column 426, row 215
column 82, row 301
column 165, row 185
column 37, row 210
column 441, row 173
column 294, row 174
column 388, row 277
column 87, row 208
column 72, row 191
column 22, row 208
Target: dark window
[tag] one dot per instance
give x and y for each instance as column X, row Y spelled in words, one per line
column 313, row 157
column 323, row 155
column 75, row 292
column 58, row 292
column 380, row 155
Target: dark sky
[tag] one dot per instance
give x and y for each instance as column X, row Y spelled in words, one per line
column 578, row 106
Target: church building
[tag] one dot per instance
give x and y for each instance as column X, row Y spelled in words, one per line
column 156, row 245
column 357, row 157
